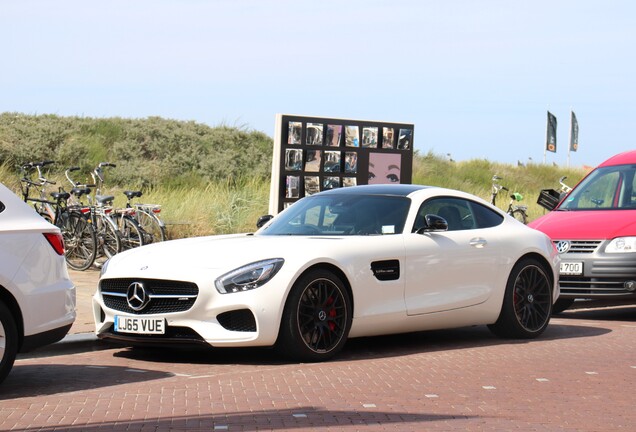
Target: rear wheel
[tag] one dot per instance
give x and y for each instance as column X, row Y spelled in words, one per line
column 130, row 232
column 317, row 317
column 520, row 215
column 527, row 303
column 8, row 341
column 153, row 230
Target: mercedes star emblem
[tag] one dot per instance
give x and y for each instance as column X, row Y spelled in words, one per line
column 136, row 296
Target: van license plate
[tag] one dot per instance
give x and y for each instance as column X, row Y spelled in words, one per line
column 140, row 325
column 571, row 268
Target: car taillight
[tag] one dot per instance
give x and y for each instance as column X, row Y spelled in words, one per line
column 56, row 241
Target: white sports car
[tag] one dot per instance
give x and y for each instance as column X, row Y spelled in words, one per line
column 349, row 262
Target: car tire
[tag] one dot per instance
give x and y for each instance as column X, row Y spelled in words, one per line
column 8, row 341
column 561, row 305
column 317, row 317
column 527, row 304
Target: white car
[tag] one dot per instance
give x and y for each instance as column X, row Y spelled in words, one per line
column 37, row 297
column 350, row 262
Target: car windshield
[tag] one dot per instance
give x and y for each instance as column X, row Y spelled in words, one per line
column 606, row 188
column 342, row 215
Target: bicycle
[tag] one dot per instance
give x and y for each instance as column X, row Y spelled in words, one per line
column 108, row 237
column 80, row 241
column 147, row 216
column 518, row 212
column 130, row 232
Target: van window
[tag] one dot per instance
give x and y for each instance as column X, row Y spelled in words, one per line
column 605, row 188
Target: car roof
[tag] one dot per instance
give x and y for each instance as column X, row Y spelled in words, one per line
column 383, row 189
column 625, row 158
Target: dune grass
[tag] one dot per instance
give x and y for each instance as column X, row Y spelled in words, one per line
column 233, row 205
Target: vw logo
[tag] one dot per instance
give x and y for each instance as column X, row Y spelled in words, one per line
column 136, row 296
column 563, row 246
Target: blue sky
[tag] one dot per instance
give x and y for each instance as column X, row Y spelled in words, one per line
column 475, row 77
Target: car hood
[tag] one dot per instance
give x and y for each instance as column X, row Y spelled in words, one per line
column 593, row 224
column 219, row 252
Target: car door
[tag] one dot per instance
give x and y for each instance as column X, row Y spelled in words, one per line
column 456, row 268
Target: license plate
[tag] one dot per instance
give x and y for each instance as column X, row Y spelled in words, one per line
column 140, row 325
column 571, row 268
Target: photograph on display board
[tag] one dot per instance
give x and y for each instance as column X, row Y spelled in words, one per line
column 295, row 133
column 312, row 185
column 352, row 136
column 351, row 162
column 293, row 160
column 314, row 134
column 388, row 137
column 384, row 168
column 331, row 183
column 349, row 181
column 334, row 135
column 369, row 137
column 405, row 139
column 292, row 189
column 332, row 162
column 312, row 163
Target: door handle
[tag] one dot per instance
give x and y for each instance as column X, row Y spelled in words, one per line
column 478, row 242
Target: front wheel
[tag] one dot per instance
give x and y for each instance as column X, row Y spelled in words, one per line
column 80, row 241
column 317, row 317
column 130, row 232
column 8, row 341
column 527, row 304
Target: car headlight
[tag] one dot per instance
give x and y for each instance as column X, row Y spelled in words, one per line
column 621, row 245
column 249, row 276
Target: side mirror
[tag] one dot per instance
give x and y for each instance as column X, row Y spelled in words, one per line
column 263, row 220
column 433, row 223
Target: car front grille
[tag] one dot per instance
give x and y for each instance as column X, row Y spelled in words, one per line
column 164, row 296
column 582, row 246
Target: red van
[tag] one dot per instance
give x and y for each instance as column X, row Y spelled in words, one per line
column 594, row 230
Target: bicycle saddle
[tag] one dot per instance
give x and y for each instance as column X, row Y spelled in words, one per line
column 103, row 199
column 60, row 195
column 133, row 194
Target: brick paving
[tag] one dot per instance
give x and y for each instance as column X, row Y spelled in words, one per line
column 579, row 376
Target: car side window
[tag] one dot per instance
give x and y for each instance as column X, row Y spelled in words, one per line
column 455, row 211
column 460, row 214
column 484, row 217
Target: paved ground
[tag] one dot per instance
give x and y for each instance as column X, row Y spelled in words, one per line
column 580, row 376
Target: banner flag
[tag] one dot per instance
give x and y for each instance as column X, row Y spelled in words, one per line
column 574, row 133
column 550, row 140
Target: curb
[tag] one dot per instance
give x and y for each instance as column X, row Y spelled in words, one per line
column 70, row 344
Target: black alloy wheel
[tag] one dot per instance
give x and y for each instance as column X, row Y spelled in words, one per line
column 317, row 317
column 527, row 304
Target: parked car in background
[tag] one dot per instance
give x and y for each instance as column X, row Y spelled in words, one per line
column 349, row 262
column 594, row 229
column 37, row 298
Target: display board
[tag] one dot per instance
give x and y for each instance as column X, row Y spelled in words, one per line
column 312, row 154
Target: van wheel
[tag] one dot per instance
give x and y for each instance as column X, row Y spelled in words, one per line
column 8, row 341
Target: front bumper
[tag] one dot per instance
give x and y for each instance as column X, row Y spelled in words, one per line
column 605, row 276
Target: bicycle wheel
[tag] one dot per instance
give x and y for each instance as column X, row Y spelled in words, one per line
column 108, row 238
column 520, row 215
column 154, row 230
column 129, row 231
column 80, row 241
